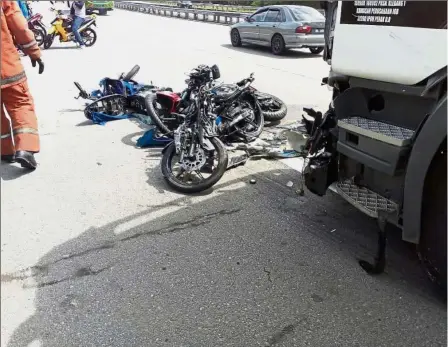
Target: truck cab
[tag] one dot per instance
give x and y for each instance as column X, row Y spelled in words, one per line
column 102, row 7
column 382, row 141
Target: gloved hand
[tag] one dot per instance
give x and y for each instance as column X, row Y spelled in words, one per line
column 41, row 64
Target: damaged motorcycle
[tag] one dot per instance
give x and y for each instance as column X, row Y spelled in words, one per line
column 196, row 150
column 235, row 106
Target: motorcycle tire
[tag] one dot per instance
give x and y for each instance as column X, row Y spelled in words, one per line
column 48, row 42
column 178, row 185
column 42, row 27
column 89, row 32
column 275, row 115
column 152, row 113
column 39, row 36
column 131, row 74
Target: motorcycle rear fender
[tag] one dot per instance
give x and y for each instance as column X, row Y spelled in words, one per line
column 35, row 18
column 168, row 99
column 86, row 25
column 166, row 146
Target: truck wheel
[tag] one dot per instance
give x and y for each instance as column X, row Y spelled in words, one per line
column 432, row 247
column 102, row 12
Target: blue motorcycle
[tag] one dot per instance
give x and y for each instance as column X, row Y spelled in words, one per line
column 118, row 98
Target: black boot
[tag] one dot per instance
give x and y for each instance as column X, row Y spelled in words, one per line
column 8, row 158
column 26, row 159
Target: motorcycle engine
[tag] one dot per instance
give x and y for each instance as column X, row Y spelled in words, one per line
column 239, row 114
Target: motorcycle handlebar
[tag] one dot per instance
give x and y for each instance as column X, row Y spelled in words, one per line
column 246, row 82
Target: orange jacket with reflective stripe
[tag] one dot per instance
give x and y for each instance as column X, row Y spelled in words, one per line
column 15, row 29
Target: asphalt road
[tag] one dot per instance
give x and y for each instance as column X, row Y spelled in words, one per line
column 97, row 251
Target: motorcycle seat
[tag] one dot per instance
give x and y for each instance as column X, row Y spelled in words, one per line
column 34, row 17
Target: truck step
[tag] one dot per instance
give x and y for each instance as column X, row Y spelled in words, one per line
column 364, row 199
column 377, row 130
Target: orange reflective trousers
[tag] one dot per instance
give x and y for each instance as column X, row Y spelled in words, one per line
column 19, row 104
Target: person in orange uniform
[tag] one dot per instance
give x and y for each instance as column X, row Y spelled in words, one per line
column 16, row 98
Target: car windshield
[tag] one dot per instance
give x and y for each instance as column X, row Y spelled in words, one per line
column 305, row 13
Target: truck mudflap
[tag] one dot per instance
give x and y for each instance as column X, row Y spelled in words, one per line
column 330, row 8
column 428, row 140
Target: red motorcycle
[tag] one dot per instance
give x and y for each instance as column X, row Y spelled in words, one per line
column 38, row 28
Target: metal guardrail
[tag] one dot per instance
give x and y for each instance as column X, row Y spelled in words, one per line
column 221, row 17
column 216, row 7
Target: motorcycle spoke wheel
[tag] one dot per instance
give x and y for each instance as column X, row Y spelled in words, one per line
column 194, row 176
column 89, row 37
column 199, row 175
column 39, row 36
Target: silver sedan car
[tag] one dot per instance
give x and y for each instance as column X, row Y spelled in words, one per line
column 281, row 27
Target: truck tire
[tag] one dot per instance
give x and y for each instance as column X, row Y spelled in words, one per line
column 432, row 246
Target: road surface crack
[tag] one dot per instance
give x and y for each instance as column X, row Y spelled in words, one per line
column 268, row 273
column 42, row 270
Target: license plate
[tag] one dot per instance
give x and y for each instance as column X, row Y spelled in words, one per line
column 319, row 30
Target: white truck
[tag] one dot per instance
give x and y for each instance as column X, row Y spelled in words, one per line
column 383, row 140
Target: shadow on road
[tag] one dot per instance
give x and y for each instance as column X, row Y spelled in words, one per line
column 12, row 171
column 248, row 265
column 85, row 123
column 61, row 47
column 266, row 52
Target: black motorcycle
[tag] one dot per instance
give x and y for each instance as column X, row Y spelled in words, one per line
column 234, row 106
column 200, row 157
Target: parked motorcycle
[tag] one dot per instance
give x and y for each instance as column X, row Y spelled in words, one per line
column 196, row 150
column 62, row 26
column 38, row 28
column 235, row 107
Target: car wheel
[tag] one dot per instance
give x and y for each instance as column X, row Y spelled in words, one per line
column 235, row 38
column 316, row 50
column 277, row 44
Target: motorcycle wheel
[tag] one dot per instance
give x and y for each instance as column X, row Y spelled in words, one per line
column 48, row 41
column 39, row 36
column 274, row 111
column 42, row 27
column 131, row 74
column 182, row 184
column 89, row 37
column 152, row 113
